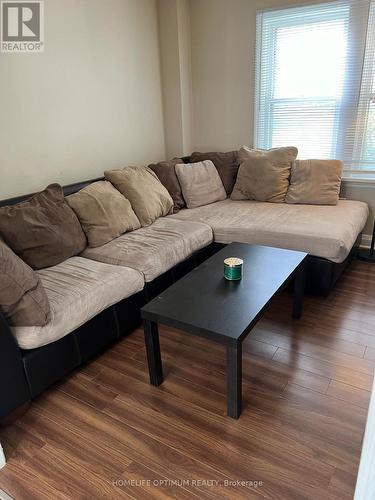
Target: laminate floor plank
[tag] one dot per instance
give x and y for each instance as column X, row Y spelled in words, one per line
column 370, row 353
column 349, row 393
column 321, row 367
column 105, row 432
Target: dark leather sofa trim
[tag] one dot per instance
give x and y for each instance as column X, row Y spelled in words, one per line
column 26, row 374
column 14, row 390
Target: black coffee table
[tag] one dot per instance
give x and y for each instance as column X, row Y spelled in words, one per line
column 205, row 304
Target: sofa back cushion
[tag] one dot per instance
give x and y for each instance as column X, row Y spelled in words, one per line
column 165, row 170
column 42, row 230
column 315, row 182
column 103, row 211
column 226, row 164
column 264, row 174
column 147, row 195
column 23, row 300
column 200, row 183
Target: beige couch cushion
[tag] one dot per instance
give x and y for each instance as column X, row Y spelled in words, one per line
column 43, row 230
column 165, row 170
column 78, row 289
column 226, row 164
column 155, row 249
column 264, row 175
column 23, row 300
column 324, row 231
column 200, row 183
column 104, row 213
column 315, row 182
column 147, row 195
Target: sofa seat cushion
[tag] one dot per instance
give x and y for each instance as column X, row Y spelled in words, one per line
column 323, row 231
column 78, row 289
column 155, row 249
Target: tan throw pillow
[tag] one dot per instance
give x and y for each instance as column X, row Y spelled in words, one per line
column 104, row 212
column 43, row 230
column 147, row 195
column 23, row 300
column 200, row 183
column 226, row 164
column 315, row 182
column 264, row 174
column 165, row 170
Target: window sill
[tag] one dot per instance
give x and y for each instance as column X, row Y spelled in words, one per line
column 359, row 181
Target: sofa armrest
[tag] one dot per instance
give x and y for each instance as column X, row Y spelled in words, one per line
column 14, row 389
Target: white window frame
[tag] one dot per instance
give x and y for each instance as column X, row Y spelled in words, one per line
column 346, row 145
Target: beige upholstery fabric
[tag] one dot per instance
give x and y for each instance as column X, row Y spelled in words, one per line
column 104, row 213
column 77, row 290
column 165, row 170
column 147, row 195
column 200, row 183
column 315, row 182
column 43, row 230
column 155, row 249
column 23, row 300
column 226, row 164
column 324, row 231
column 264, row 175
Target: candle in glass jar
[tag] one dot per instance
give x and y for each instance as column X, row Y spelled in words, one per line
column 233, row 268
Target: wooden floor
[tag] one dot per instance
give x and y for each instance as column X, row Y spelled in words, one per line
column 306, row 393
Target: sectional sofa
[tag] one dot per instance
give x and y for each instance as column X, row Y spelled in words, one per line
column 95, row 297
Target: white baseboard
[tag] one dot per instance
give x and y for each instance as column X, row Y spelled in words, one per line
column 2, row 457
column 365, row 489
column 4, row 496
column 366, row 240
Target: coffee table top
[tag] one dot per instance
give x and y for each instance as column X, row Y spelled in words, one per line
column 204, row 303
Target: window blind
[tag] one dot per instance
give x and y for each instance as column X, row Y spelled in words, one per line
column 315, row 82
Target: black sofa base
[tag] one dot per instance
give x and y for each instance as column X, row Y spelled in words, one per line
column 322, row 274
column 26, row 374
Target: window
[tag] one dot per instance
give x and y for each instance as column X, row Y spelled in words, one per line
column 315, row 82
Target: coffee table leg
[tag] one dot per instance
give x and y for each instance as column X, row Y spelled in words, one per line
column 234, row 380
column 155, row 367
column 299, row 291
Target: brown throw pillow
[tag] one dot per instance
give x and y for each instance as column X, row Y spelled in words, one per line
column 200, row 183
column 104, row 212
column 147, row 195
column 315, row 182
column 165, row 170
column 264, row 174
column 42, row 230
column 226, row 164
column 23, row 300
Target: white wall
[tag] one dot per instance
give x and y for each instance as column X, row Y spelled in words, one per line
column 184, row 29
column 91, row 101
column 223, row 37
column 174, row 41
column 356, row 190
